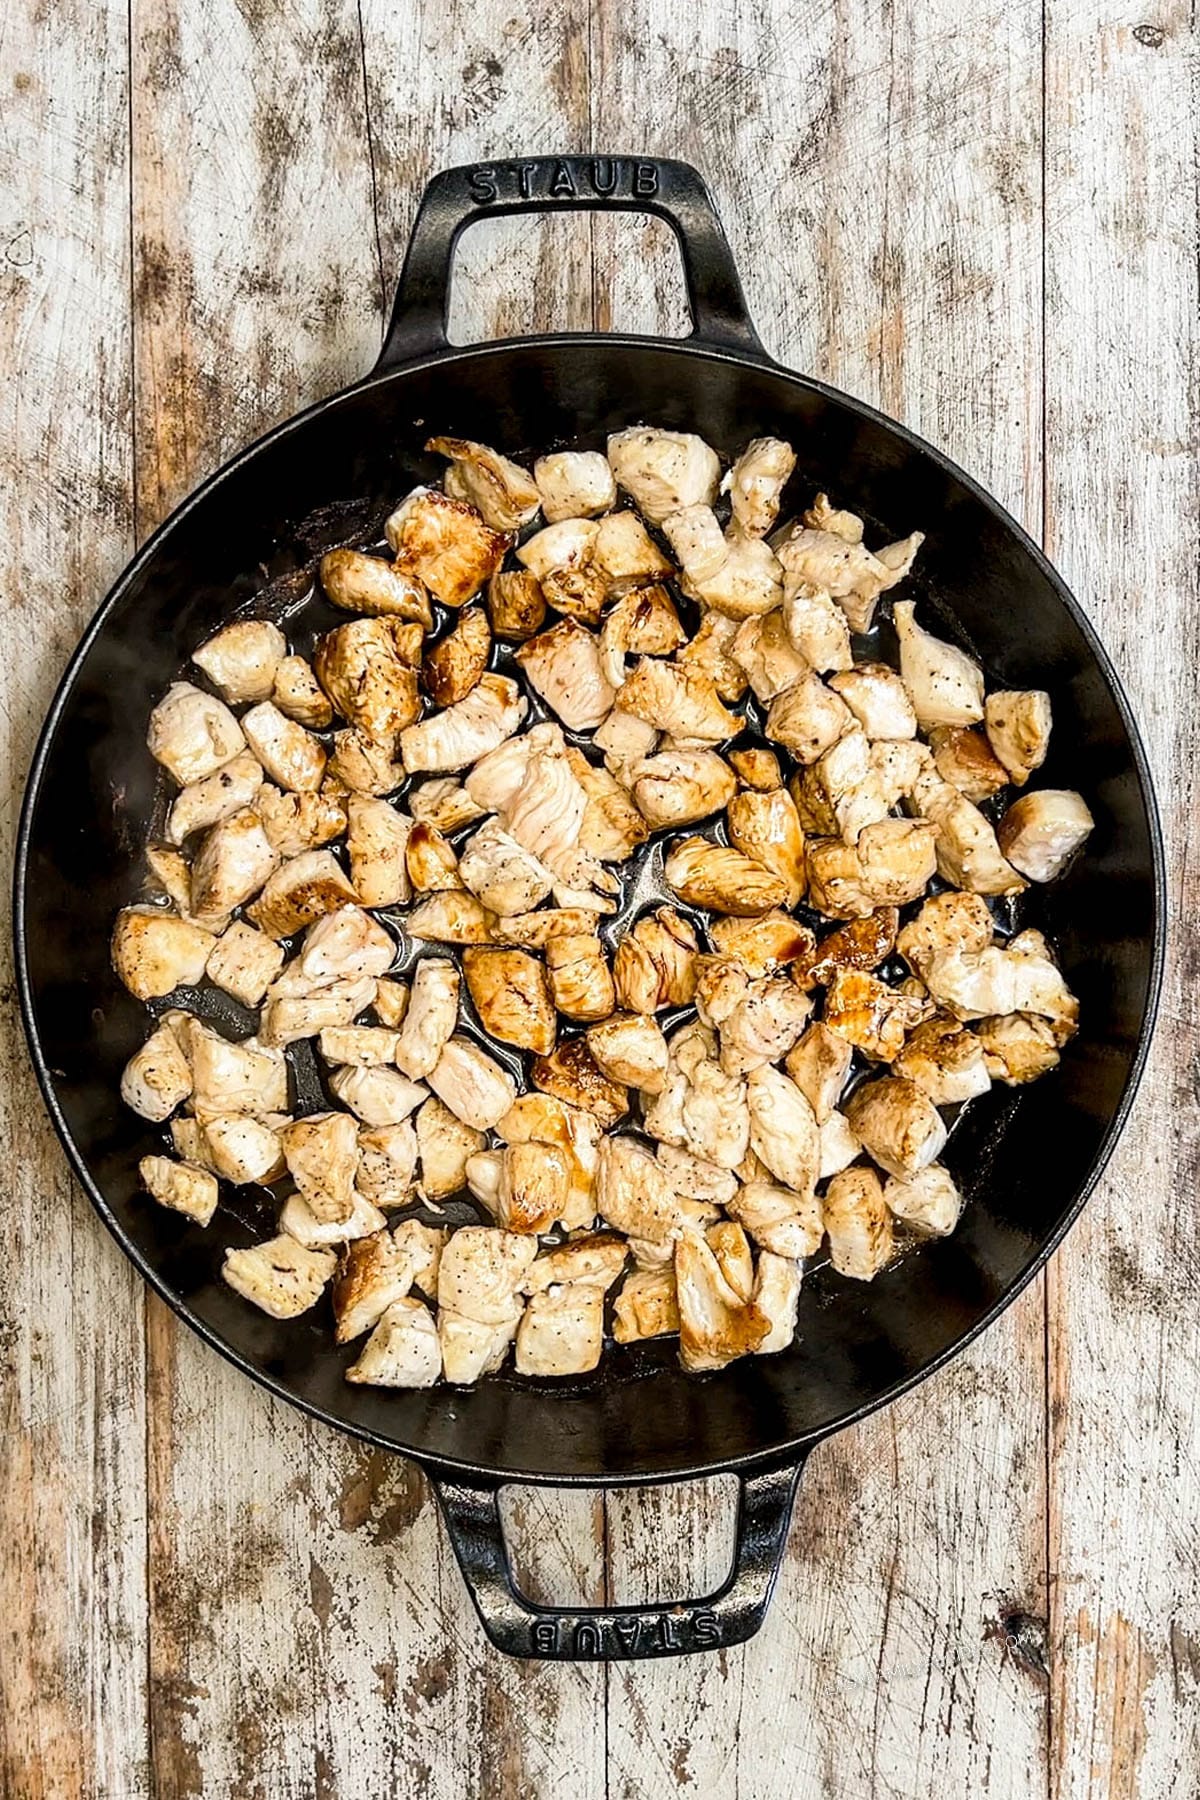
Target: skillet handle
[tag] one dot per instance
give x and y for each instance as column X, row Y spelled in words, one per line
column 519, row 1627
column 673, row 191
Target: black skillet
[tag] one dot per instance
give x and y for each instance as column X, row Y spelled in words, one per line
column 1027, row 1157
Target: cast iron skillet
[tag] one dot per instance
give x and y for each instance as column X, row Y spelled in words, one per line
column 1027, row 1158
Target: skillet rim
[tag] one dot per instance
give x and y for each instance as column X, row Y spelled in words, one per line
column 791, row 1450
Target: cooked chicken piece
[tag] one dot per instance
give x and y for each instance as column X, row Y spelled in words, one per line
column 1040, row 832
column 241, row 659
column 189, row 1140
column 664, row 470
column 243, row 1149
column 625, row 741
column 430, row 861
column 192, row 734
column 871, row 1015
column 542, row 1119
column 701, row 1108
column 634, row 1194
column 836, row 883
column 653, row 965
column 783, row 1129
column 391, row 1003
column 929, row 1202
column 231, row 865
column 516, row 604
column 490, row 714
column 533, row 930
column 593, row 1260
column 945, row 1059
column 321, row 1152
column 710, row 654
column 154, row 952
column 808, row 718
column 403, row 1351
column 975, row 985
column 378, row 1270
column 861, row 943
column 581, row 982
column 451, row 918
column 183, row 1188
column 778, row 1219
column 840, row 1145
column 758, row 1024
column 378, row 843
column 878, row 699
column 646, row 1305
column 366, row 584
column 630, row 1049
column 900, row 1127
column 445, row 1145
column 845, row 569
column 945, row 685
column 757, row 769
column 543, row 806
column 297, row 1009
column 643, row 622
column 777, row 1294
column 452, row 668
column 244, row 963
column 822, row 516
column 300, row 892
column 766, row 828
column 367, row 681
column 840, row 793
column 756, row 483
column 764, row 650
column 497, row 778
column 737, row 576
column 364, row 765
column 298, row 694
column 157, row 1077
column 475, row 1088
column 561, row 1331
column 344, row 944
column 281, row 1276
column 764, row 944
column 680, row 699
column 722, row 878
column 1017, row 722
column 217, row 796
column 172, row 876
column 499, row 489
column 716, row 1324
column 735, row 1259
column 898, row 858
column 570, row 1073
column 511, row 994
column 443, row 803
column 946, row 922
column 694, row 1178
column 377, row 1096
column 563, row 548
column 1018, row 1047
column 535, row 1186
column 295, row 823
column 968, row 852
column 611, row 827
column 817, row 626
column 361, row 1046
column 964, row 758
column 470, row 1349
column 819, row 1064
column 481, row 1271
column 574, row 484
column 387, row 1164
column 681, row 787
column 250, row 1077
column 563, row 666
column 444, row 544
column 430, row 1017
column 291, row 756
column 629, row 558
column 858, row 1224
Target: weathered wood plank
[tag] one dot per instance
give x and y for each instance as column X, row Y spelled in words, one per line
column 1122, row 475
column 72, row 1523
column 878, row 167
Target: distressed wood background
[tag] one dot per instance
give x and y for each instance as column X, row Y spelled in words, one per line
column 979, row 214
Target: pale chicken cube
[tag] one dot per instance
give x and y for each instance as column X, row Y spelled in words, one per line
column 299, row 695
column 232, row 863
column 300, row 1219
column 612, row 827
column 680, row 699
column 563, row 666
column 664, row 470
column 364, row 765
column 680, row 787
column 807, row 718
column 628, row 557
column 250, row 1077
column 943, row 682
column 777, row 1294
column 291, row 756
column 928, row 1202
column 470, row 1349
column 644, row 621
column 945, row 1059
column 501, row 491
column 964, row 758
column 430, row 1017
column 858, row 1224
column 766, row 828
column 321, row 1152
column 1018, row 1047
column 192, row 733
column 783, row 1129
column 779, row 1219
column 189, row 1140
column 242, row 658
column 716, row 1324
column 391, row 1003
column 215, row 797
column 710, row 654
column 445, row 1145
column 369, row 683
column 343, row 945
column 280, row 1277
column 946, row 922
column 303, row 1012
column 475, row 1087
column 574, row 484
column 694, row 1177
column 1017, row 722
column 359, row 583
column 722, row 878
column 444, row 803
column 975, row 985
column 765, row 651
column 844, row 568
column 817, row 626
column 403, row 1351
column 496, row 780
column 763, row 1025
column 878, row 698
column 460, row 735
column 1040, row 832
column 631, row 1049
column 757, row 768
column 870, row 1015
column 431, row 862
column 526, row 1187
column 634, row 1194
column 561, row 1331
column 451, row 918
column 900, row 1127
column 646, row 1306
column 243, row 1149
column 157, row 1078
column 840, row 1145
column 763, row 944
column 898, row 858
column 594, row 1259
column 378, row 1096
column 715, row 1117
column 178, row 1185
column 822, row 515
column 502, row 874
column 567, row 546
column 654, row 963
column 381, row 1268
column 756, row 483
column 294, row 823
column 172, row 875
column 819, row 1064
column 377, row 842
column 444, row 544
column 481, row 1271
column 154, row 952
column 387, row 1164
column 840, row 794
column 581, row 982
column 625, row 741
column 543, row 1119
column 533, row 930
column 968, row 852
column 511, row 993
column 737, row 576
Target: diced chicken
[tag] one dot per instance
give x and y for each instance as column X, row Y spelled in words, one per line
column 429, row 1018
column 299, row 695
column 756, row 483
column 822, row 516
column 562, row 559
column 625, row 741
column 765, row 651
column 451, row 918
column 858, row 1224
column 783, row 1129
column 291, row 756
column 380, row 1269
column 611, row 827
column 737, row 576
column 819, row 1064
column 475, row 1087
column 701, row 1108
column 303, row 890
column 363, row 764
column 946, row 922
column 928, row 1202
column 756, row 768
column 368, row 682
column 561, row 1331
column 543, row 1119
column 777, row 1294
column 1018, row 724
column 377, row 1096
column 634, row 1194
column 593, row 1260
column 470, row 1349
column 766, row 828
column 391, row 1003
column 343, row 945
column 681, row 786
column 280, row 1277
column 716, row 1324
column 944, row 683
column 367, row 584
column 898, row 858
column 250, row 1077
column 192, row 733
column 762, row 944
column 403, row 1351
column 490, row 714
column 710, row 654
column 500, row 490
column 878, row 698
column 510, row 992
column 646, row 1306
column 869, row 1014
column 445, row 1145
column 817, row 626
column 563, row 666
column 231, row 865
column 244, row 963
column 570, row 1073
column 481, row 1271
column 629, row 558
column 694, row 1177
column 964, row 758
column 859, row 944
column 387, row 1164
column 643, row 622
column 242, row 658
column 1018, row 1047
column 533, row 930
column 191, row 1191
column 808, row 718
column 1040, row 832
column 516, row 604
column 722, row 878
column 761, row 1024
column 297, row 1009
column 574, row 484
column 300, row 1219
column 630, row 1049
column 840, row 1145
column 243, row 1149
column 779, row 1219
column 378, row 842
column 452, row 668
column 206, row 802
column 154, row 952
column 975, row 985
column 680, row 699
column 968, row 853
column 444, row 803
column 664, row 470
column 581, row 983
column 321, row 1152
column 945, row 1059
column 430, row 861
column 845, row 568
column 158, row 1077
column 172, row 876
column 362, row 1046
column 444, row 544
column 535, row 1186
column 900, row 1127
column 294, row 823
column 190, row 1142
column 653, row 964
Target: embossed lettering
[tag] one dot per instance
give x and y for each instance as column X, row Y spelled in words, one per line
column 666, row 1628
column 645, row 178
column 704, row 1628
column 628, row 1632
column 561, row 185
column 525, row 176
column 483, row 185
column 545, row 1636
column 587, row 1639
column 606, row 184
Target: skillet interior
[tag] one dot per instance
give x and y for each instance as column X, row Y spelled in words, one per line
column 1025, row 1158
